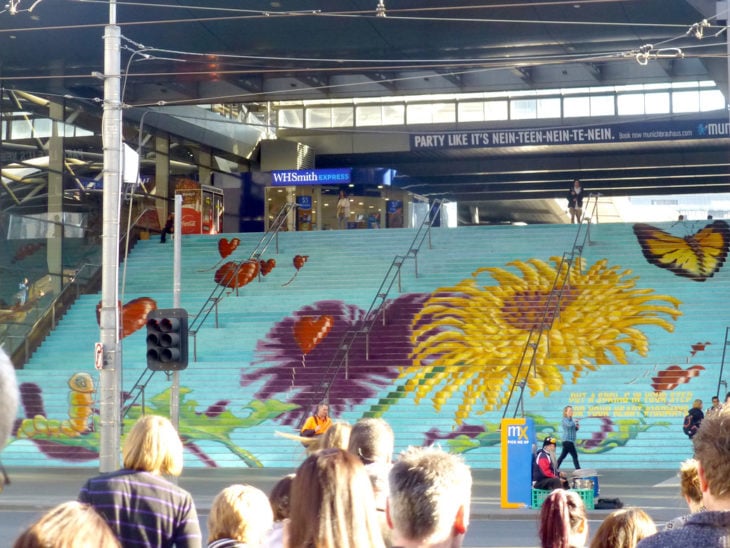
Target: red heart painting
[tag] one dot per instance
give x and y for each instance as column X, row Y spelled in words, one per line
column 671, row 377
column 226, row 247
column 299, row 261
column 267, row 266
column 227, row 276
column 133, row 314
column 698, row 347
column 310, row 330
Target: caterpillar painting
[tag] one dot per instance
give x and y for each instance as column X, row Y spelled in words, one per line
column 80, row 409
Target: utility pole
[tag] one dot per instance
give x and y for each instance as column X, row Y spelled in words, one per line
column 111, row 133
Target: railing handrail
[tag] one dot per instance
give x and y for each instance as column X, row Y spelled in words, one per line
column 365, row 324
column 199, row 319
column 73, row 282
column 51, row 308
column 549, row 311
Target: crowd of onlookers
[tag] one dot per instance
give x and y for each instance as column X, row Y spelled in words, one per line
column 348, row 493
column 351, row 493
column 704, row 484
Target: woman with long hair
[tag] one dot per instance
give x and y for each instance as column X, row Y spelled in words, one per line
column 570, row 431
column 563, row 522
column 332, row 504
column 624, row 528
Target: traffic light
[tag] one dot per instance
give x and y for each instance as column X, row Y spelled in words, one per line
column 167, row 339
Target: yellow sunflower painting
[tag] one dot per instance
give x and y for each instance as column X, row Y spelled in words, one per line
column 476, row 337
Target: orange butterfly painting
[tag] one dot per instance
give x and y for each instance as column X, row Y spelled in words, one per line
column 697, row 256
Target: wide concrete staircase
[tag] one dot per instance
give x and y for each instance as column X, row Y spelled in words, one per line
column 273, row 348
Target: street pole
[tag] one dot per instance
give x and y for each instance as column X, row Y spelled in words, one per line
column 111, row 372
column 176, row 290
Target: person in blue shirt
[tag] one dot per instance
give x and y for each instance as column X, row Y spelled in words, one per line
column 570, row 429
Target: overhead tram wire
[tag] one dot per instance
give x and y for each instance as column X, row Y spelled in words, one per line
column 523, row 4
column 511, row 62
column 259, row 14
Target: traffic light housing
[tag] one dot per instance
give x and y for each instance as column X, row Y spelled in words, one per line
column 167, row 339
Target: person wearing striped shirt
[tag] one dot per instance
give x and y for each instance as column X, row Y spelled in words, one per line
column 139, row 504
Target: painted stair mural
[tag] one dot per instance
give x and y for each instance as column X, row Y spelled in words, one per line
column 637, row 334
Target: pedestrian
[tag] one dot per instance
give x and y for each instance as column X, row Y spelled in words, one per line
column 68, row 525
column 343, row 210
column 696, row 417
column 240, row 516
column 142, row 507
column 689, row 486
column 563, row 522
column 716, row 406
column 570, row 428
column 711, row 527
column 624, row 528
column 23, row 287
column 318, row 423
column 575, row 202
column 169, row 228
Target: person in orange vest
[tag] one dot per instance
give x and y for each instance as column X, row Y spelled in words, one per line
column 317, row 424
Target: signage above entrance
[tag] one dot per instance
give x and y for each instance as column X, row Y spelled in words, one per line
column 311, row 177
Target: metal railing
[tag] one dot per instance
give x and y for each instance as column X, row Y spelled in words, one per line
column 550, row 311
column 19, row 339
column 25, row 335
column 376, row 310
column 211, row 303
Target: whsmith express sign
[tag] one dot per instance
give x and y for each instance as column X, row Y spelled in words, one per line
column 578, row 135
column 311, row 177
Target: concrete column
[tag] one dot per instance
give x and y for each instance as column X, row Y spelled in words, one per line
column 54, row 230
column 162, row 176
column 205, row 161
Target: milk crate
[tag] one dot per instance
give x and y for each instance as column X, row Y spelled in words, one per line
column 539, row 496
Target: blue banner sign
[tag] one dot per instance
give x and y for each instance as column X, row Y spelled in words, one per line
column 608, row 133
column 311, row 177
column 304, row 202
column 517, row 448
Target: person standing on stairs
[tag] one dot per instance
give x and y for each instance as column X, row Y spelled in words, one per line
column 317, row 424
column 570, row 429
column 169, row 228
column 343, row 210
column 575, row 202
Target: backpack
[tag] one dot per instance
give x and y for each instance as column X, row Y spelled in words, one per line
column 688, row 426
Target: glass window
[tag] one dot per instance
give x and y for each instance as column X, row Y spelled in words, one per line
column 20, row 129
column 523, row 109
column 318, row 117
column 712, row 99
column 431, row 113
column 576, row 106
column 496, row 110
column 686, row 101
column 471, row 112
column 291, row 117
column 603, row 105
column 630, row 103
column 656, row 103
column 43, row 128
column 444, row 113
column 548, row 108
column 394, row 115
column 343, row 117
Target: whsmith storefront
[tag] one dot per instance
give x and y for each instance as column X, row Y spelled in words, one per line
column 374, row 203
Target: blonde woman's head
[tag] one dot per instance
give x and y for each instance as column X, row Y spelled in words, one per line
column 153, row 445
